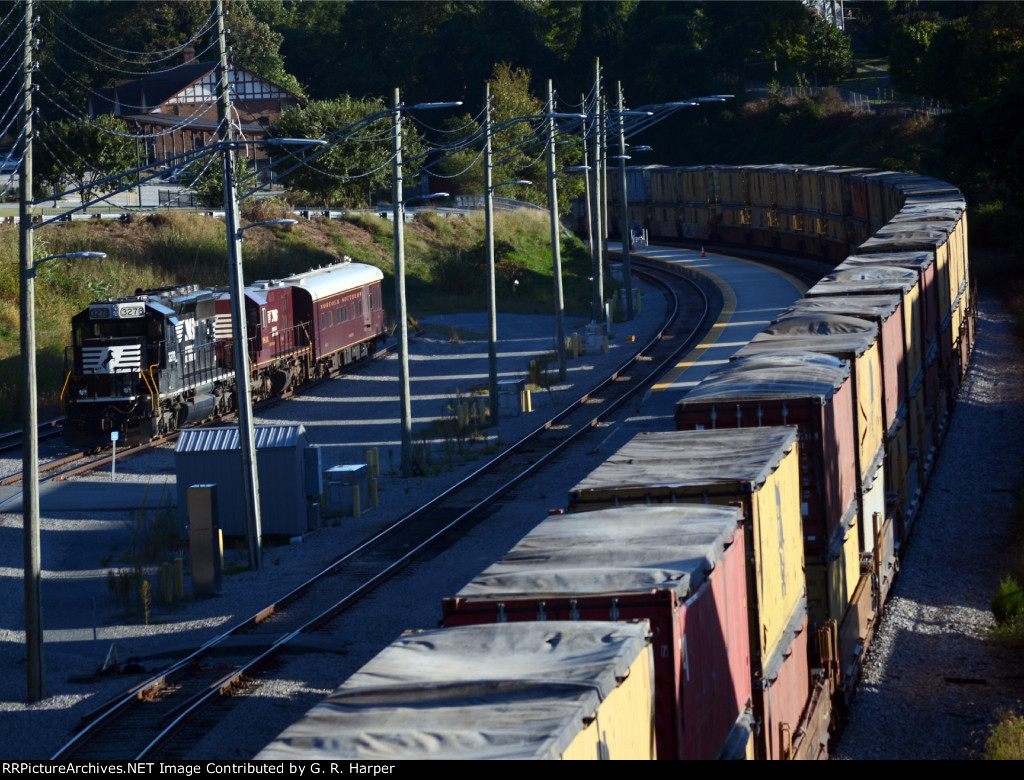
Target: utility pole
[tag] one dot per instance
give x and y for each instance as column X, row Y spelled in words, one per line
column 404, row 400
column 596, row 279
column 556, row 250
column 492, row 300
column 597, row 192
column 625, row 233
column 246, row 434
column 30, row 413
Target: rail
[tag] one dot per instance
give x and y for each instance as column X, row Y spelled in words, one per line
column 379, row 557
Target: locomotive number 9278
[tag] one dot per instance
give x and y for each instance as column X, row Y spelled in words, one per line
column 148, row 364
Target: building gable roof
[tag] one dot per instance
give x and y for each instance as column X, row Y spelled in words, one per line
column 193, row 82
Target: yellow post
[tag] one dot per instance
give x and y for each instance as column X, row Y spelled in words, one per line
column 374, row 502
column 179, row 577
column 356, row 508
column 166, row 582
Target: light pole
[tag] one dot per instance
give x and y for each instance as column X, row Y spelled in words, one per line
column 239, row 332
column 556, row 249
column 30, row 474
column 404, row 400
column 246, row 430
column 627, row 280
column 625, row 230
column 402, row 315
column 492, row 297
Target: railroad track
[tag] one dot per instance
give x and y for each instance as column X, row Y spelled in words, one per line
column 12, row 440
column 144, row 722
column 51, row 428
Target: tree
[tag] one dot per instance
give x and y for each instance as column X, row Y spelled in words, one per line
column 356, row 163
column 829, row 53
column 80, row 154
column 255, row 46
column 517, row 146
column 205, row 177
column 907, row 51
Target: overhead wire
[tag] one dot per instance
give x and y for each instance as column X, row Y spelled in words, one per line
column 142, row 109
column 124, row 71
column 472, row 120
column 210, row 22
column 78, row 117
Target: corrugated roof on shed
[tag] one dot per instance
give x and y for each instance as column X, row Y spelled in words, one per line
column 225, row 439
column 211, row 455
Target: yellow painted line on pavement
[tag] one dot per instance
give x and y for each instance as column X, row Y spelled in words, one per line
column 728, row 309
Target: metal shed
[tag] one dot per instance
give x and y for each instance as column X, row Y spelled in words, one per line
column 205, row 455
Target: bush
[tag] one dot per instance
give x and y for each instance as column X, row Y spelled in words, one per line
column 266, row 210
column 1008, row 602
column 1007, row 740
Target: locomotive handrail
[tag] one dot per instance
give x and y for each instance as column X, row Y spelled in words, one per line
column 154, row 396
column 64, row 390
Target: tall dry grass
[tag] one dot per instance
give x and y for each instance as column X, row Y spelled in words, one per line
column 171, row 248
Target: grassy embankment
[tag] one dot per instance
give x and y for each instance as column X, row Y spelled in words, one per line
column 444, row 260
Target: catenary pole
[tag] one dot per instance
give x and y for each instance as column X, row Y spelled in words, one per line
column 30, row 413
column 556, row 251
column 246, row 434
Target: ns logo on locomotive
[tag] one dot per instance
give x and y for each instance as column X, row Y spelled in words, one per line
column 149, row 364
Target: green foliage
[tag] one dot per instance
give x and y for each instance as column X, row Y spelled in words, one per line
column 1007, row 740
column 907, row 52
column 829, row 54
column 355, row 166
column 971, row 59
column 1008, row 603
column 516, row 141
column 75, row 155
column 255, row 46
column 205, row 177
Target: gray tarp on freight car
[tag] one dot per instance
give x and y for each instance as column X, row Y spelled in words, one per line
column 681, row 458
column 908, row 235
column 880, row 307
column 612, row 551
column 496, row 691
column 917, row 260
column 830, row 333
column 778, row 375
column 861, row 278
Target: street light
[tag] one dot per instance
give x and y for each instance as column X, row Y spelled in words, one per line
column 30, row 473
column 401, row 314
column 246, row 431
column 627, row 279
column 492, row 298
column 556, row 249
column 405, row 404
